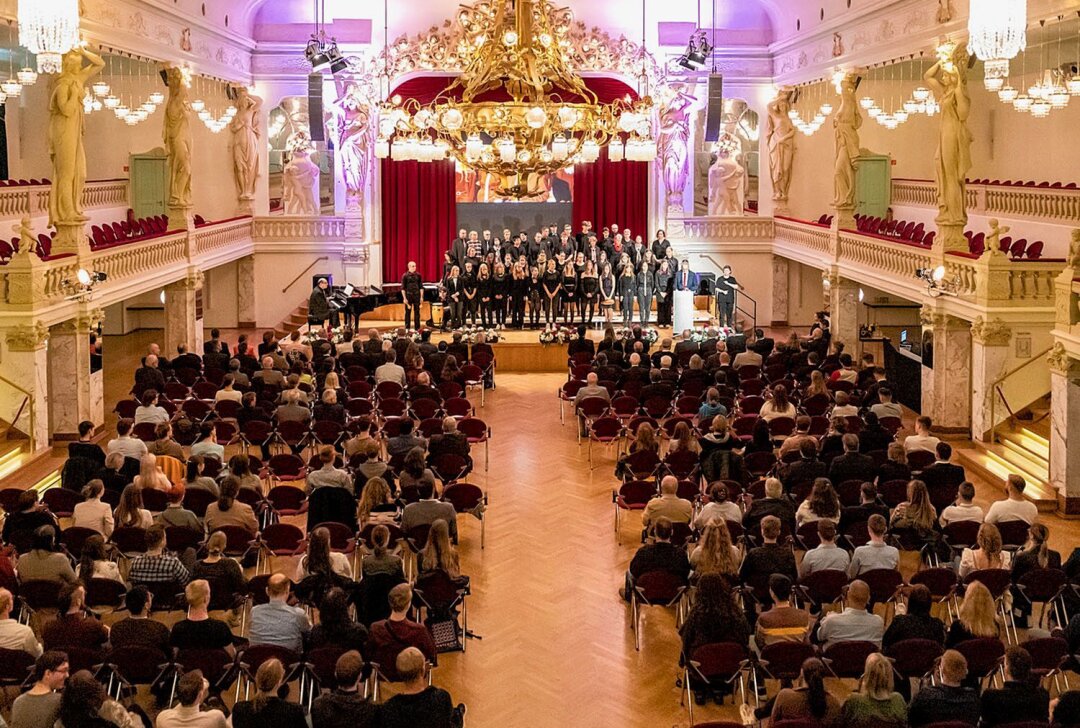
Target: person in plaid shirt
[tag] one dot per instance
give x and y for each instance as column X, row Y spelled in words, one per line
column 156, row 566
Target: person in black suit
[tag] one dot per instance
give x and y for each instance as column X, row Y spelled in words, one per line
column 943, row 474
column 686, row 345
column 852, row 465
column 1021, row 699
column 736, row 344
column 875, row 437
column 457, row 248
column 412, row 291
column 657, row 387
column 581, row 344
column 807, row 468
column 148, row 376
column 186, row 360
column 660, row 555
column 215, row 336
column 215, row 358
column 458, row 348
column 775, row 503
column 869, row 504
column 763, row 345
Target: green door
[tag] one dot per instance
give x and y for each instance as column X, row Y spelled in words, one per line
column 873, row 184
column 149, row 186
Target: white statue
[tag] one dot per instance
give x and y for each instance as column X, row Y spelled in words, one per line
column 780, row 140
column 27, row 240
column 301, row 184
column 352, row 126
column 1073, row 261
column 177, row 136
column 846, row 125
column 993, row 239
column 948, row 80
column 726, row 183
column 672, row 146
column 66, row 136
column 245, row 144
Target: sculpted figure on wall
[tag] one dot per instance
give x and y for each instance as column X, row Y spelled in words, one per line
column 846, row 125
column 352, row 128
column 66, row 136
column 672, row 146
column 727, row 177
column 301, row 183
column 780, row 140
column 245, row 144
column 948, row 80
column 177, row 137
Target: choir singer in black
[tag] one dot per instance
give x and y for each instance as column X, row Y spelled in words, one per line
column 412, row 291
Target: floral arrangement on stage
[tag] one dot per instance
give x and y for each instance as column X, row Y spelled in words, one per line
column 701, row 334
column 649, row 334
column 557, row 335
column 472, row 334
column 336, row 336
column 392, row 335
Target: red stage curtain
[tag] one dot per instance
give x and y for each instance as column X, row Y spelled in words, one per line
column 419, row 215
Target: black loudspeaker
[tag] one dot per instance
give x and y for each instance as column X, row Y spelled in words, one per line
column 706, row 284
column 315, row 111
column 714, row 109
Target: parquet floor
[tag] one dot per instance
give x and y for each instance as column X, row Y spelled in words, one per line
column 557, row 649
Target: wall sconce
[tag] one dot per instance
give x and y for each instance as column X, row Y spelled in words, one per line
column 936, row 283
column 82, row 288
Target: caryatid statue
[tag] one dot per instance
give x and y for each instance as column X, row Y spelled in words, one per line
column 672, row 146
column 948, row 80
column 352, row 127
column 245, row 145
column 177, row 137
column 846, row 125
column 66, row 137
column 780, row 141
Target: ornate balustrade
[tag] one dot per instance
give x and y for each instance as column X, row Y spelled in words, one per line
column 298, row 229
column 1035, row 203
column 32, row 200
column 722, row 229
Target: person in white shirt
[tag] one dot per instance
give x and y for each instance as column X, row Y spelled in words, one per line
column 886, row 407
column 843, row 406
column 320, row 560
column 877, row 554
column 149, row 410
column 1013, row 508
column 963, row 509
column 778, row 406
column 124, row 443
column 191, row 690
column 227, row 392
column 718, row 508
column 13, row 635
column 390, row 371
column 855, row 623
column 845, row 373
column 93, row 513
column 826, row 555
column 922, row 439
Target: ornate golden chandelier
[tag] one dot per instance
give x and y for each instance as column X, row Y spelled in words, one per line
column 517, row 111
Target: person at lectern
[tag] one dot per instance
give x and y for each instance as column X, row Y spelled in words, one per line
column 412, row 291
column 319, row 304
column 686, row 279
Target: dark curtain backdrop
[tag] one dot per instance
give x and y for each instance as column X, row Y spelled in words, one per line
column 419, row 217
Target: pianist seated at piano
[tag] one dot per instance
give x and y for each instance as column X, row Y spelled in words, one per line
column 319, row 304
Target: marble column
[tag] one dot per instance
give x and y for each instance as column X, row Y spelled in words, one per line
column 183, row 314
column 844, row 312
column 75, row 394
column 245, row 293
column 989, row 353
column 24, row 373
column 1064, row 418
column 946, row 383
column 780, row 291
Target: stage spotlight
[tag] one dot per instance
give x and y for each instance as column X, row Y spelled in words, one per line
column 316, row 55
column 697, row 52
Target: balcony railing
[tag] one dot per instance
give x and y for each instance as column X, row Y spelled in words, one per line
column 32, row 200
column 726, row 229
column 292, row 229
column 1013, row 201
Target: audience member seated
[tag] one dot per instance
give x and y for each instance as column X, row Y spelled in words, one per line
column 139, row 629
column 149, row 410
column 821, row 504
column 240, row 468
column 809, row 702
column 42, row 562
column 1065, row 709
column 388, row 637
column 715, row 553
column 94, row 562
column 328, row 474
column 832, row 443
column 947, row 699
column 124, row 443
column 885, row 406
column 391, row 371
column 328, row 409
column 826, row 555
column 418, row 703
column 1035, row 554
column 194, row 478
column 964, row 509
column 1020, row 699
column 714, row 617
column 345, row 706
column 198, row 630
column 922, row 439
column 1014, row 507
column 151, row 476
column 191, row 690
column 659, row 555
column 377, row 504
column 987, row 554
column 176, row 516
column 807, row 468
column 114, row 480
column 268, row 375
column 218, row 569
column 207, row 444
column 770, row 557
column 942, row 473
column 852, row 465
column 381, row 560
column 876, row 554
column 773, row 504
column 39, row 707
column 277, row 622
column 427, row 511
column 914, row 621
column 228, row 511
column 843, row 406
column 73, row 627
column 778, row 405
column 156, row 567
column 292, row 410
column 13, row 634
column 853, row 624
column 148, row 377
column 371, row 464
column 450, row 441
column 130, row 512
column 668, row 505
column 869, row 505
column 977, row 617
column 719, row 508
column 336, row 628
column 783, row 622
column 405, row 441
column 875, row 705
column 85, row 448
column 92, row 513
column 320, row 560
column 712, row 406
column 592, row 388
column 28, row 517
column 917, row 513
column 873, row 436
column 416, row 479
column 268, row 708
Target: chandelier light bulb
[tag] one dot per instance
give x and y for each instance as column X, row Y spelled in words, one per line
column 453, row 120
column 1008, row 94
column 792, row 114
column 874, row 112
column 27, row 76
column 1023, row 103
column 121, row 111
column 560, row 148
column 1073, row 85
column 536, row 117
column 866, row 102
column 901, row 116
column 198, row 105
column 921, row 94
column 993, row 85
column 157, row 98
column 510, row 39
column 100, row 88
column 11, row 88
column 568, row 117
column 615, row 150
column 48, row 29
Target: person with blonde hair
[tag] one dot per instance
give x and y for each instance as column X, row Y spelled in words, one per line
column 875, row 704
column 816, row 386
column 150, row 476
column 988, row 554
column 376, row 503
column 715, row 553
column 438, row 553
column 977, row 616
column 320, row 560
column 917, row 513
column 267, row 708
column 198, row 630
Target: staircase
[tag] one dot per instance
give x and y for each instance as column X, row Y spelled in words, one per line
column 1020, row 445
column 295, row 320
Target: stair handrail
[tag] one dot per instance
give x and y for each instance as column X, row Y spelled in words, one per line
column 996, row 388
column 28, row 400
column 301, row 274
column 752, row 314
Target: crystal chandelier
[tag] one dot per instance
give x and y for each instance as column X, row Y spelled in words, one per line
column 49, row 29
column 517, row 112
column 998, row 31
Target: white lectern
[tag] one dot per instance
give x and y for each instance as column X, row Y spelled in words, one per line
column 682, row 303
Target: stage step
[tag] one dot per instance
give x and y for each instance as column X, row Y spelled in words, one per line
column 995, row 462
